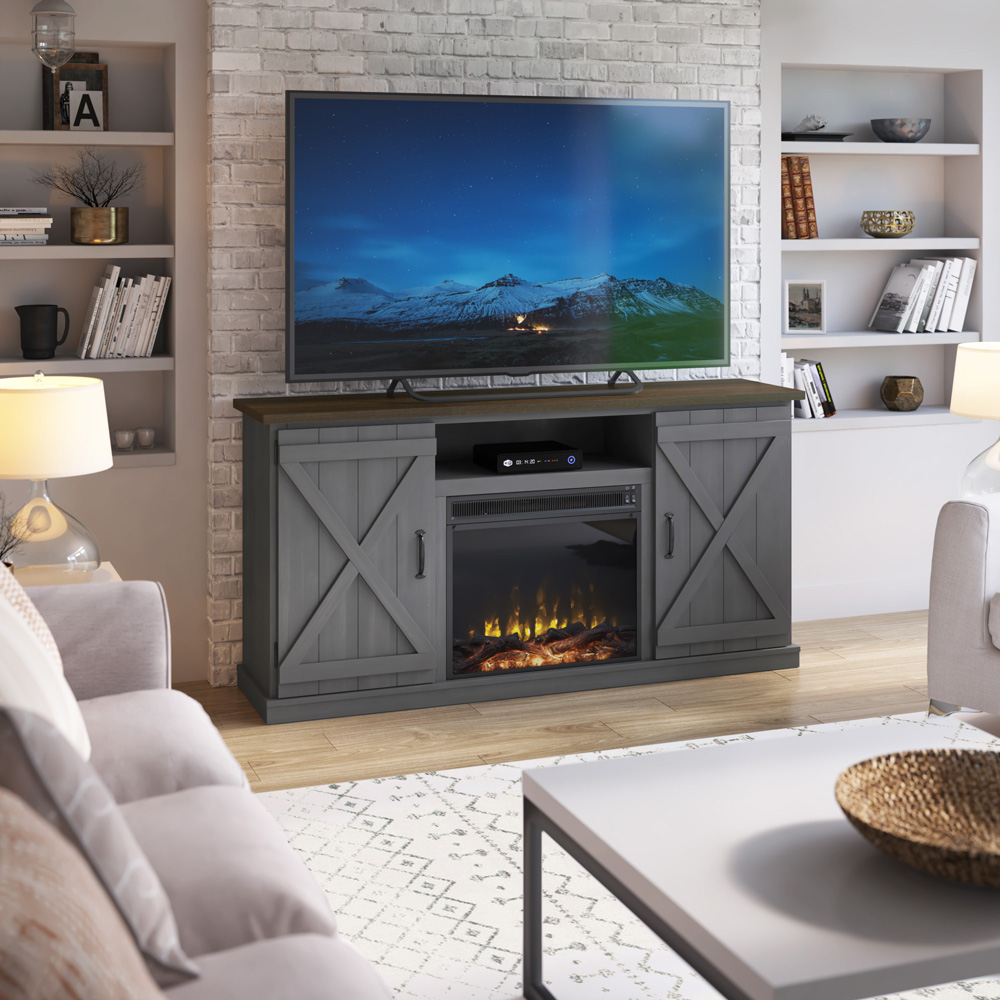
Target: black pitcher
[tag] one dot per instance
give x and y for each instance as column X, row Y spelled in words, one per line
column 39, row 339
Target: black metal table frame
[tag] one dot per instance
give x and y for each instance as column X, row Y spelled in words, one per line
column 536, row 823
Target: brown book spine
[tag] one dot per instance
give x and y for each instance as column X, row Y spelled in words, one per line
column 807, row 186
column 798, row 197
column 787, row 208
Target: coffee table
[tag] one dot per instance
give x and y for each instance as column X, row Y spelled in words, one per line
column 740, row 859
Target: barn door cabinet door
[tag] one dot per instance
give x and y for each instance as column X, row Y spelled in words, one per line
column 355, row 583
column 723, row 546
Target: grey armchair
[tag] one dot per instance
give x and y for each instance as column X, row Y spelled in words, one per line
column 963, row 629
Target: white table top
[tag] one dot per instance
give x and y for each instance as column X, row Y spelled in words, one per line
column 744, row 851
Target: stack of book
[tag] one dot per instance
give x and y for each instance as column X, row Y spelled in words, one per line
column 24, row 227
column 925, row 295
column 798, row 211
column 124, row 316
column 809, row 378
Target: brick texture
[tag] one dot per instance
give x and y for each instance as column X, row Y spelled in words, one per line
column 704, row 50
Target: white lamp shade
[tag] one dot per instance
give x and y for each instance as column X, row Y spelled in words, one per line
column 975, row 390
column 53, row 426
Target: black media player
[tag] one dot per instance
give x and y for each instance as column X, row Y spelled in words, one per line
column 527, row 456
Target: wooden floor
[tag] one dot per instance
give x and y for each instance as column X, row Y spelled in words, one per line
column 851, row 668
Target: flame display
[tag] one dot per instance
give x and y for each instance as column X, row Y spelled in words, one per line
column 546, row 614
column 521, row 328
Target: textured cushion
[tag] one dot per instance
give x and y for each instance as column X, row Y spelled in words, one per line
column 37, row 764
column 149, row 743
column 303, row 966
column 31, row 673
column 227, row 868
column 61, row 938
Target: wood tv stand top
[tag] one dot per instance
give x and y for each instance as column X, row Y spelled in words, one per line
column 378, row 406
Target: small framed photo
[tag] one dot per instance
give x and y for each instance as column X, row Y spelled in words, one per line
column 75, row 98
column 805, row 307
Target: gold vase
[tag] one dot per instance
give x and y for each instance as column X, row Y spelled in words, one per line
column 98, row 225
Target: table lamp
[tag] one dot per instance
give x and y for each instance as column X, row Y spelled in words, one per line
column 975, row 392
column 52, row 426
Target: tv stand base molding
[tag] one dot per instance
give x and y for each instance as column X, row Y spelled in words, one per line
column 385, row 570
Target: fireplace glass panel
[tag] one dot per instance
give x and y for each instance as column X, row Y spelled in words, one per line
column 541, row 594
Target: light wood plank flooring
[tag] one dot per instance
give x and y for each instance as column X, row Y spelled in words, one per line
column 851, row 668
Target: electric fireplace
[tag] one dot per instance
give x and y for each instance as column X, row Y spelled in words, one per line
column 543, row 580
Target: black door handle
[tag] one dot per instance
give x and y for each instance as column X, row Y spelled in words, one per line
column 670, row 536
column 421, row 553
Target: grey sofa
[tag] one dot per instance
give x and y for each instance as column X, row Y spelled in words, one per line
column 248, row 913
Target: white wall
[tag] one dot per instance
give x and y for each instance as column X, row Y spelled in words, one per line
column 865, row 501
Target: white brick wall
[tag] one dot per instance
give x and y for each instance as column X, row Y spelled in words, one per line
column 705, row 50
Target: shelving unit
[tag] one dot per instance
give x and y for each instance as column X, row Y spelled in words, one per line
column 939, row 178
column 139, row 391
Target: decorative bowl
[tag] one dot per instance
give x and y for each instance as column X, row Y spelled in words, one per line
column 900, row 129
column 935, row 810
column 902, row 393
column 887, row 223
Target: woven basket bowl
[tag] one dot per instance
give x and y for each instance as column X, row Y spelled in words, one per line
column 935, row 810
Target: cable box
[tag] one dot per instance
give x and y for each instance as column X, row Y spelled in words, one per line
column 527, row 456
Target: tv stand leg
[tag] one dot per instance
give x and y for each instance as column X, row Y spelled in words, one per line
column 628, row 389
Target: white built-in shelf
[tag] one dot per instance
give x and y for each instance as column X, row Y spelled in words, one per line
column 881, row 148
column 104, row 251
column 892, row 244
column 72, row 365
column 139, row 457
column 866, row 338
column 38, row 137
column 849, row 420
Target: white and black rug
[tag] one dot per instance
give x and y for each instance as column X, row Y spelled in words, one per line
column 424, row 874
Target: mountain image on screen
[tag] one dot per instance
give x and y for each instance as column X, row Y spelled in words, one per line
column 351, row 324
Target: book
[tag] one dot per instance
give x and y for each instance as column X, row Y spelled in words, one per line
column 798, row 197
column 101, row 345
column 950, row 290
column 962, row 293
column 895, row 301
column 18, row 210
column 932, row 293
column 807, row 186
column 20, row 239
column 801, row 407
column 154, row 327
column 87, row 329
column 921, row 296
column 787, row 207
column 108, row 286
column 822, row 387
column 24, row 223
column 810, row 387
column 787, row 370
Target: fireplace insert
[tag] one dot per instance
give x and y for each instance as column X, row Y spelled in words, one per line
column 543, row 580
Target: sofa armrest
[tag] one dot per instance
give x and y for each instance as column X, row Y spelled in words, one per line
column 963, row 664
column 112, row 637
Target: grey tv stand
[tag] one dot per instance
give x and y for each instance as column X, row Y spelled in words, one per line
column 345, row 501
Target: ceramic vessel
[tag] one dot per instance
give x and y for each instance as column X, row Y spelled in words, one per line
column 98, row 226
column 900, row 129
column 901, row 392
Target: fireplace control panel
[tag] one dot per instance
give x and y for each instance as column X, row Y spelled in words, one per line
column 527, row 456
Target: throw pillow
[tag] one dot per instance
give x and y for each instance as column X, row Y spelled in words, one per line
column 994, row 620
column 60, row 936
column 37, row 764
column 31, row 670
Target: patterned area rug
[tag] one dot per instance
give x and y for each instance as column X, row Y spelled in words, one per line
column 424, row 874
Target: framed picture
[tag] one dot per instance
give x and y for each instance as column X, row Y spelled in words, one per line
column 805, row 307
column 75, row 97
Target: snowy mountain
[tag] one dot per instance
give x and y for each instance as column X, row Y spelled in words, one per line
column 505, row 303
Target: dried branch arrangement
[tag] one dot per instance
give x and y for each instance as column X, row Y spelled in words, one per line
column 94, row 179
column 9, row 540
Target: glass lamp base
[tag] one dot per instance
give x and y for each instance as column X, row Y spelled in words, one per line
column 983, row 474
column 50, row 537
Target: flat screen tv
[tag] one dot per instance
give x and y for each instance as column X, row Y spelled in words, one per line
column 431, row 235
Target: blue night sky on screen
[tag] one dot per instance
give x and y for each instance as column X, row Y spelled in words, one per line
column 409, row 193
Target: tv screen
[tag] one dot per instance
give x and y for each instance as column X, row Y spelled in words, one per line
column 482, row 235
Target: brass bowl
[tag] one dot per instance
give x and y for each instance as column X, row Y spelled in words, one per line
column 887, row 223
column 935, row 810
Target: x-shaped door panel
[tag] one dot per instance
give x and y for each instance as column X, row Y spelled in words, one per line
column 772, row 462
column 359, row 564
